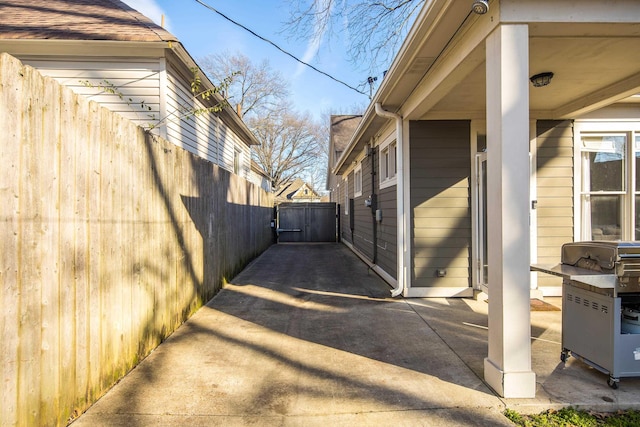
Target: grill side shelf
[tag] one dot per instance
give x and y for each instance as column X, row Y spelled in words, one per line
column 602, row 283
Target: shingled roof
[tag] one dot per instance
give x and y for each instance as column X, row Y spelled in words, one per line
column 77, row 20
column 342, row 129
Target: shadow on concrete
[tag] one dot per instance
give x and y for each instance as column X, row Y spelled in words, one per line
column 305, row 335
column 323, row 294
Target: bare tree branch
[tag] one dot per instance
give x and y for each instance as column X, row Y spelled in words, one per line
column 375, row 30
column 254, row 89
column 291, row 145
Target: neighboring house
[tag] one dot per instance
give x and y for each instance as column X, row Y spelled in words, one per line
column 259, row 177
column 342, row 128
column 297, row 191
column 118, row 57
column 474, row 168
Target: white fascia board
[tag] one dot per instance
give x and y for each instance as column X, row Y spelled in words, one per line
column 463, row 55
column 88, row 48
column 428, row 15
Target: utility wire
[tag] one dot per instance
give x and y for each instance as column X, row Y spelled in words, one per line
column 211, row 8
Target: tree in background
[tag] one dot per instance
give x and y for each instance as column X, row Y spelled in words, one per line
column 291, row 145
column 254, row 89
column 375, row 30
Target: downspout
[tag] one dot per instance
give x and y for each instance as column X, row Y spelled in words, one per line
column 374, row 204
column 401, row 234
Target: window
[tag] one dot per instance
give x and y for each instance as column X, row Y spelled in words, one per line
column 388, row 163
column 346, row 196
column 236, row 161
column 610, row 186
column 357, row 181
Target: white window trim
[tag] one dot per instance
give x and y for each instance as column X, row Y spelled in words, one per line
column 346, row 195
column 384, row 180
column 357, row 180
column 587, row 127
column 237, row 161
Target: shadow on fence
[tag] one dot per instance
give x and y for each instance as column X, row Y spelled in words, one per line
column 109, row 239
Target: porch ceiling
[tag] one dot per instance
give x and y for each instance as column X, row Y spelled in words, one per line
column 439, row 72
column 593, row 66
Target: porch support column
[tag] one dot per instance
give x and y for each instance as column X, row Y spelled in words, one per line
column 507, row 369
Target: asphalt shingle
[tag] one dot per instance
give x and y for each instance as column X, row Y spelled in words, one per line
column 77, row 20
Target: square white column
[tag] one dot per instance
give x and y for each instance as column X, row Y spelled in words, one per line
column 507, row 369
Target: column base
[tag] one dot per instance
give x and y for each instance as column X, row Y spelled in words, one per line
column 510, row 384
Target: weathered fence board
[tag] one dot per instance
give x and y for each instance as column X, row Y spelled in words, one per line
column 109, row 240
column 11, row 117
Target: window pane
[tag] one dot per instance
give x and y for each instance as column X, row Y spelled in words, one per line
column 606, row 217
column 637, row 159
column 386, row 164
column 637, row 231
column 394, row 163
column 606, row 166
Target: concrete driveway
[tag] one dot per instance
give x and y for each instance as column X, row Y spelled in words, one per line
column 307, row 335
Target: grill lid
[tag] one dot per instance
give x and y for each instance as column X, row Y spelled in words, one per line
column 594, row 255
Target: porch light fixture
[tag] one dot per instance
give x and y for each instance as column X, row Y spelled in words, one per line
column 541, row 79
column 480, row 7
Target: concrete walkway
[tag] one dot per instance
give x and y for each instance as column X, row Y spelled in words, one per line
column 307, row 336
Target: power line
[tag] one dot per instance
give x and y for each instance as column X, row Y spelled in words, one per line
column 211, row 8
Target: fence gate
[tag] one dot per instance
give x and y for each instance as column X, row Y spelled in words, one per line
column 307, row 222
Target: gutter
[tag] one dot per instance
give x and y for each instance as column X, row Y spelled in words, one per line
column 401, row 236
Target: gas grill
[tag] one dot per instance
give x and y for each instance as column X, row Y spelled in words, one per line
column 601, row 305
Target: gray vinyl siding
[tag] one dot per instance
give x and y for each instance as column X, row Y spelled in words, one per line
column 129, row 88
column 363, row 233
column 387, row 231
column 346, row 188
column 440, row 171
column 376, row 241
column 555, row 192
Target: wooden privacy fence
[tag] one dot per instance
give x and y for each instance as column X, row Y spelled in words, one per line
column 109, row 240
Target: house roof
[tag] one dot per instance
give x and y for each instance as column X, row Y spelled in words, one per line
column 289, row 191
column 94, row 28
column 258, row 169
column 289, row 188
column 342, row 129
column 91, row 20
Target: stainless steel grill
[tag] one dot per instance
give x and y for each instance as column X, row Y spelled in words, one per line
column 600, row 303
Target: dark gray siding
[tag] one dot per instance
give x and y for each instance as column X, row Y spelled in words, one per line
column 555, row 192
column 376, row 241
column 387, row 230
column 346, row 187
column 363, row 233
column 440, row 203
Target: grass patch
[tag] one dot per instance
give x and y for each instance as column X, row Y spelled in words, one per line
column 571, row 417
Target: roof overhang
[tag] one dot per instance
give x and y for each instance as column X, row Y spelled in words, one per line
column 90, row 48
column 439, row 72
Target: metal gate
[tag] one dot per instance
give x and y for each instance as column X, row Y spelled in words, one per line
column 307, row 222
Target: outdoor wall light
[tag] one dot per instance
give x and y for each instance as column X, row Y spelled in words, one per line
column 480, row 7
column 541, row 79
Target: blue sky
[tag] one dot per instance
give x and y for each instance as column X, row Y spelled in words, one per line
column 204, row 32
